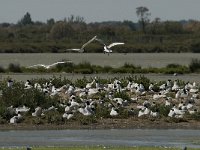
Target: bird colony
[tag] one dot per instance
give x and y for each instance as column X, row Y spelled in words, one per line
column 114, row 98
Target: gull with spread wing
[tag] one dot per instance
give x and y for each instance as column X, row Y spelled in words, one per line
column 81, row 50
column 107, row 48
column 49, row 66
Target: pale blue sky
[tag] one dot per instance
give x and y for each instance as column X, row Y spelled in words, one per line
column 98, row 10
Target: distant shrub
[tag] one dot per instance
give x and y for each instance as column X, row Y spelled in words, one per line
column 66, row 67
column 37, row 121
column 163, row 110
column 2, row 70
column 3, row 113
column 194, row 66
column 195, row 47
column 53, row 117
column 85, row 120
column 107, row 69
column 122, row 95
column 142, row 79
column 173, row 66
column 195, row 116
column 81, row 82
column 59, row 81
column 102, row 112
column 127, row 65
column 84, row 71
column 14, row 68
column 84, row 67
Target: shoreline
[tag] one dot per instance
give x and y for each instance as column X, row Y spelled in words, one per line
column 107, row 124
column 152, row 76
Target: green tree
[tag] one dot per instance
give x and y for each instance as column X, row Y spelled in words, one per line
column 61, row 30
column 173, row 27
column 143, row 15
column 130, row 24
column 155, row 27
column 77, row 19
column 51, row 21
column 26, row 19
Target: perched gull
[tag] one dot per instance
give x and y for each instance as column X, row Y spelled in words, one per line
column 107, row 48
column 49, row 66
column 81, row 50
column 10, row 83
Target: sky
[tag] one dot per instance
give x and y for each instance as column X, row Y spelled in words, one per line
column 98, row 10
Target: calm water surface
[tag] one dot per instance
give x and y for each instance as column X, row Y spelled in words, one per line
column 115, row 137
column 114, row 59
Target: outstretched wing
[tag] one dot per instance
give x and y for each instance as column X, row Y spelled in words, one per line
column 38, row 65
column 113, row 44
column 84, row 45
column 54, row 64
column 74, row 49
column 100, row 41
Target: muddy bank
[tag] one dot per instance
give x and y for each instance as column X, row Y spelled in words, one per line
column 110, row 124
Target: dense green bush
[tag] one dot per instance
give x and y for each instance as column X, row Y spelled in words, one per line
column 194, row 65
column 2, row 70
column 122, row 95
column 195, row 47
column 14, row 67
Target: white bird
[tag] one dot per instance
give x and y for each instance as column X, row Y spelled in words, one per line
column 167, row 103
column 49, row 66
column 81, row 50
column 10, row 83
column 85, row 111
column 107, row 48
column 28, row 84
column 175, row 87
column 113, row 112
column 192, row 111
column 68, row 115
column 154, row 114
column 16, row 119
column 158, row 96
column 38, row 112
column 171, row 113
column 141, row 112
column 22, row 109
column 189, row 105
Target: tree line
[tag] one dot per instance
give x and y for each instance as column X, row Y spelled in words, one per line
column 143, row 36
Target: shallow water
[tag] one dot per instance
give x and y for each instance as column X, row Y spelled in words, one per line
column 114, row 59
column 113, row 137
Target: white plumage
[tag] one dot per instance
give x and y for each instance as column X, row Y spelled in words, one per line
column 107, row 48
column 48, row 66
column 81, row 50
